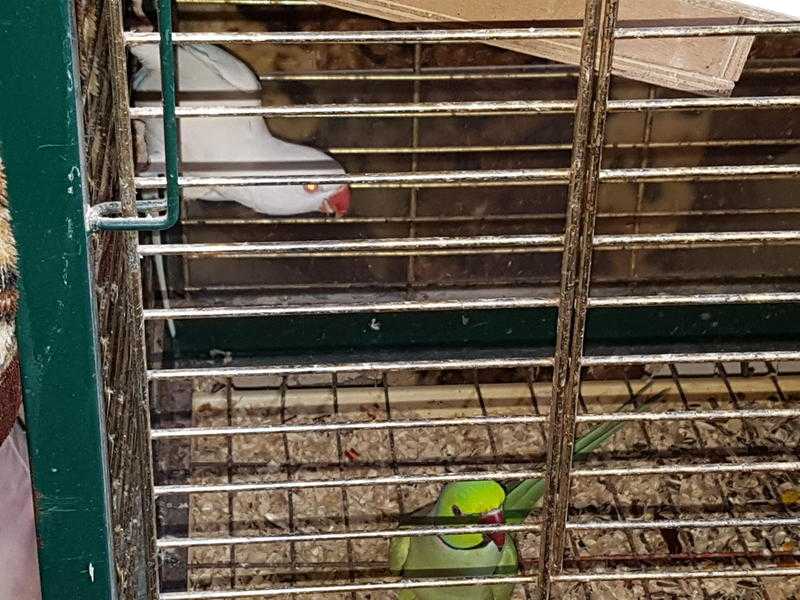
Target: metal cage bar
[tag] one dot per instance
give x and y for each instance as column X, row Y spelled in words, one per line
column 444, row 583
column 433, row 36
column 463, row 109
column 99, row 218
column 486, row 178
column 597, row 51
column 210, row 488
column 230, row 312
column 510, row 361
column 190, row 432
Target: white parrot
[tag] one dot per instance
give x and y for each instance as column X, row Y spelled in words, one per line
column 231, row 146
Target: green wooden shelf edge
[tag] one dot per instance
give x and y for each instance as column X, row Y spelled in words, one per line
column 721, row 326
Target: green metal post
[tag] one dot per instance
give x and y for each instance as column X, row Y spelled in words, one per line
column 42, row 146
column 171, row 144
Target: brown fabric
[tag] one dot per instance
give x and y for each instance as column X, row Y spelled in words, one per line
column 10, row 398
column 10, row 388
column 8, row 302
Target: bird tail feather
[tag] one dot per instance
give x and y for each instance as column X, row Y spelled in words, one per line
column 521, row 500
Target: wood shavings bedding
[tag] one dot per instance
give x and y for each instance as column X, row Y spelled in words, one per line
column 453, row 449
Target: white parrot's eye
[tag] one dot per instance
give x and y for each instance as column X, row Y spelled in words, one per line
column 311, row 187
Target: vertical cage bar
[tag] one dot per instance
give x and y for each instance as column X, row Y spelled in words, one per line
column 42, row 137
column 169, row 84
column 343, row 473
column 124, row 354
column 171, row 130
column 415, row 138
column 230, row 466
column 588, row 141
column 122, row 118
column 641, row 188
column 633, row 395
column 392, row 444
column 289, row 466
column 490, row 433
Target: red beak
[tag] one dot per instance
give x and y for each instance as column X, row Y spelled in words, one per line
column 339, row 203
column 495, row 517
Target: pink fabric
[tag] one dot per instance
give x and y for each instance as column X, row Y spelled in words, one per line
column 19, row 564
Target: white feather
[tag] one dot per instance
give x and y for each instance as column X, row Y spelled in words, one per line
column 204, row 70
column 137, row 9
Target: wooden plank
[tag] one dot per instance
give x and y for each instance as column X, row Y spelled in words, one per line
column 457, row 400
column 758, row 10
column 709, row 65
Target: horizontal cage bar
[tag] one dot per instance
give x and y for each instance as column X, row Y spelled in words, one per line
column 345, row 367
column 481, row 363
column 497, row 177
column 497, row 244
column 689, row 469
column 452, row 109
column 754, row 67
column 162, row 490
column 347, row 535
column 210, row 488
column 512, row 218
column 341, row 588
column 469, row 581
column 656, row 575
column 153, row 314
column 166, row 543
column 714, row 415
column 432, row 36
column 761, row 522
column 563, row 147
column 691, row 357
column 417, row 245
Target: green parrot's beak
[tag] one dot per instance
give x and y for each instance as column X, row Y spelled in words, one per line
column 494, row 517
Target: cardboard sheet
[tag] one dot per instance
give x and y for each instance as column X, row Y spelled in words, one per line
column 708, row 66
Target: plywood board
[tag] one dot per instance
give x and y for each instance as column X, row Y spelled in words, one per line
column 707, row 66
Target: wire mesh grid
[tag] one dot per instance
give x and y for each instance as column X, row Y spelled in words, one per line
column 307, row 489
column 284, row 478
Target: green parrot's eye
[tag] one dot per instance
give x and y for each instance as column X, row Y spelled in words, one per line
column 456, row 511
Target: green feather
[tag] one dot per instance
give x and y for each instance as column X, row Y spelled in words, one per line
column 521, row 500
column 398, row 553
column 430, row 556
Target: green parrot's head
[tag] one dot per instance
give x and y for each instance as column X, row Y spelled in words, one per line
column 472, row 503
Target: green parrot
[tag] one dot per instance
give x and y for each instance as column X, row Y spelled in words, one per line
column 477, row 554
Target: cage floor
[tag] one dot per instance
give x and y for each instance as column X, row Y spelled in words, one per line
column 314, row 456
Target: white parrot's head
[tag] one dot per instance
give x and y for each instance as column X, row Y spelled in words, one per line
column 234, row 146
column 297, row 161
column 296, row 199
column 328, row 199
